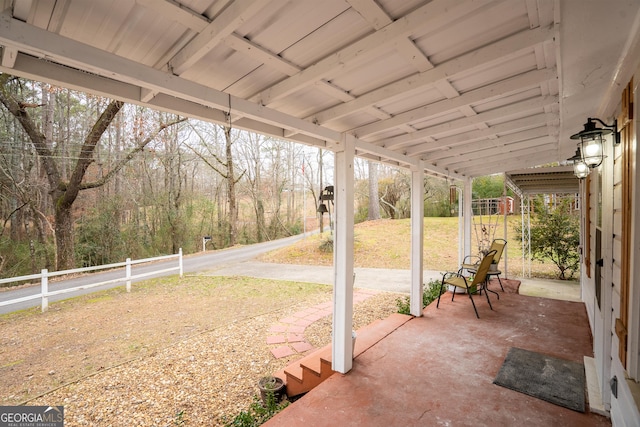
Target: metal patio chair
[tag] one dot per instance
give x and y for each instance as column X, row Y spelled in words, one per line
column 471, row 285
column 471, row 262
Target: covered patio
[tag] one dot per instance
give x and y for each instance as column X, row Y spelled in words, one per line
column 453, row 89
column 438, row 369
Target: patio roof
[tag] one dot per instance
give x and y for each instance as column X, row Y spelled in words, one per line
column 458, row 88
column 558, row 179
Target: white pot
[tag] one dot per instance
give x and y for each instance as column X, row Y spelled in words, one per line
column 456, row 290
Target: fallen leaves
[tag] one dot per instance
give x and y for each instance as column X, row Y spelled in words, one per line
column 196, row 379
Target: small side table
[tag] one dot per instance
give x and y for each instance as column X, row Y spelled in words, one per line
column 490, row 273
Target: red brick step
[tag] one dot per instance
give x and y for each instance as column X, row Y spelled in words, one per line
column 305, row 374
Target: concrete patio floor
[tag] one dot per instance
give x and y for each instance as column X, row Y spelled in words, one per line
column 439, row 369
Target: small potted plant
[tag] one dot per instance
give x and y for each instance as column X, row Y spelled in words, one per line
column 271, row 384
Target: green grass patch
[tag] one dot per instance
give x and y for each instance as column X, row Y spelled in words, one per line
column 10, row 364
column 258, row 412
column 100, row 298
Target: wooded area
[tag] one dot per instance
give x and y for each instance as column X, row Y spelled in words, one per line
column 86, row 181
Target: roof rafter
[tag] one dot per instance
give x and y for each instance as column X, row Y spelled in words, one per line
column 498, row 165
column 464, row 138
column 509, row 86
column 213, row 34
column 453, row 125
column 500, row 50
column 489, row 143
column 498, row 151
column 378, row 18
column 436, row 14
column 76, row 65
column 24, row 37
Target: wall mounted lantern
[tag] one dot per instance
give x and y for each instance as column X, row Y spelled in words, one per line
column 591, row 143
column 580, row 168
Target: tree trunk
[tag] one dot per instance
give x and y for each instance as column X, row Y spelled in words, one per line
column 291, row 199
column 374, row 202
column 65, row 195
column 260, row 220
column 173, row 187
column 320, row 215
column 231, row 187
column 64, row 236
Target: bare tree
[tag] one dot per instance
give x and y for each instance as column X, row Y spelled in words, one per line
column 395, row 193
column 173, row 187
column 225, row 167
column 251, row 151
column 374, row 203
column 231, row 187
column 63, row 192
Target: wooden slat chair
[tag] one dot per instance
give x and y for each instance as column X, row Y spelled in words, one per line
column 478, row 283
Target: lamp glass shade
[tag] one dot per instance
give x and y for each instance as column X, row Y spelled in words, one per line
column 592, row 150
column 580, row 169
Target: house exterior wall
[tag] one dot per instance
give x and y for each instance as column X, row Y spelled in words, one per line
column 624, row 406
column 620, row 401
column 605, row 210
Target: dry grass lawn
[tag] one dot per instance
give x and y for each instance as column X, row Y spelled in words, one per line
column 386, row 243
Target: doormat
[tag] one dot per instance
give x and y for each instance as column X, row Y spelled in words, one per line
column 558, row 381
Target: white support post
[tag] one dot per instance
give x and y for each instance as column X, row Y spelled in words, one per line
column 342, row 341
column 417, row 241
column 460, row 226
column 44, row 289
column 468, row 214
column 528, row 242
column 127, row 274
column 505, row 225
column 180, row 264
column 523, row 234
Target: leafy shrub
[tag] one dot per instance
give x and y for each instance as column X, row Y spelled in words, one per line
column 98, row 237
column 429, row 294
column 555, row 236
column 20, row 258
column 258, row 414
column 326, row 245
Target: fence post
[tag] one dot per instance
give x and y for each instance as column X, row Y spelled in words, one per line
column 180, row 261
column 127, row 270
column 44, row 289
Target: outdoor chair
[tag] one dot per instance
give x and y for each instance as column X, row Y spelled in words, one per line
column 470, row 285
column 471, row 262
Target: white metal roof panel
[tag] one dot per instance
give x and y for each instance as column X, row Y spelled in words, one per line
column 467, row 87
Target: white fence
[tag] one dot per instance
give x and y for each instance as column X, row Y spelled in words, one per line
column 44, row 276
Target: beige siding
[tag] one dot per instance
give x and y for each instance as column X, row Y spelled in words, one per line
column 616, row 247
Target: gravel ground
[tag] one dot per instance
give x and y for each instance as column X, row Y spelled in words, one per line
column 197, row 381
